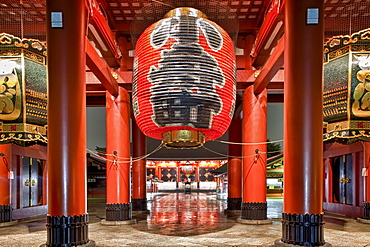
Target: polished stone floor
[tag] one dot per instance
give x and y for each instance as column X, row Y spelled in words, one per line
column 178, row 219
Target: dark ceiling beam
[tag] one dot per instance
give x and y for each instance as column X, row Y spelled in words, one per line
column 123, row 27
column 275, row 98
column 97, row 88
column 273, row 64
column 95, row 101
column 246, row 27
column 101, row 70
column 272, row 86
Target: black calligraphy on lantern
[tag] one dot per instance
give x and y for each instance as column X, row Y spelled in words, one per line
column 185, row 80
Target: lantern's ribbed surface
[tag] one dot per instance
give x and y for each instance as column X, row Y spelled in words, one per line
column 184, row 76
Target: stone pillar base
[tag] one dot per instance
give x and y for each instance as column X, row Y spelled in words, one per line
column 254, row 210
column 91, row 243
column 5, row 213
column 139, row 204
column 118, row 212
column 254, row 222
column 68, row 231
column 234, row 203
column 304, row 230
column 279, row 243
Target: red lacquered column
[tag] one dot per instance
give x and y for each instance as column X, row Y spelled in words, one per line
column 178, row 170
column 366, row 212
column 67, row 220
column 118, row 207
column 234, row 166
column 303, row 122
column 254, row 205
column 157, row 172
column 197, row 175
column 138, row 169
column 5, row 204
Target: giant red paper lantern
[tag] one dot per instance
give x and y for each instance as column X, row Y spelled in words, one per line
column 184, row 79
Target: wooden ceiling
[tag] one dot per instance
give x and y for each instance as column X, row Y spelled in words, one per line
column 122, row 13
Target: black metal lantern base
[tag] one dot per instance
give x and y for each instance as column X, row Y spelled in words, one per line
column 139, row 204
column 183, row 139
column 68, row 231
column 234, row 203
column 303, row 230
column 5, row 213
column 118, row 212
column 254, row 210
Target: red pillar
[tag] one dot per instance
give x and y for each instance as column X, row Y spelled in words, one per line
column 157, row 172
column 5, row 203
column 178, row 170
column 234, row 166
column 67, row 220
column 196, row 174
column 303, row 123
column 254, row 205
column 118, row 206
column 139, row 202
column 366, row 211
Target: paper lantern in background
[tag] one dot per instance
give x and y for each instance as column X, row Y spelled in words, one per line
column 187, row 169
column 184, row 79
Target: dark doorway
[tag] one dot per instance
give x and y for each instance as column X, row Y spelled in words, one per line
column 32, row 181
column 342, row 179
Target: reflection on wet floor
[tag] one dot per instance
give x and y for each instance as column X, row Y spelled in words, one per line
column 274, row 207
column 179, row 214
column 175, row 214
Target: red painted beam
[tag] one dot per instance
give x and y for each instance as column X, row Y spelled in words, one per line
column 271, row 67
column 271, row 30
column 101, row 34
column 100, row 69
column 125, row 75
